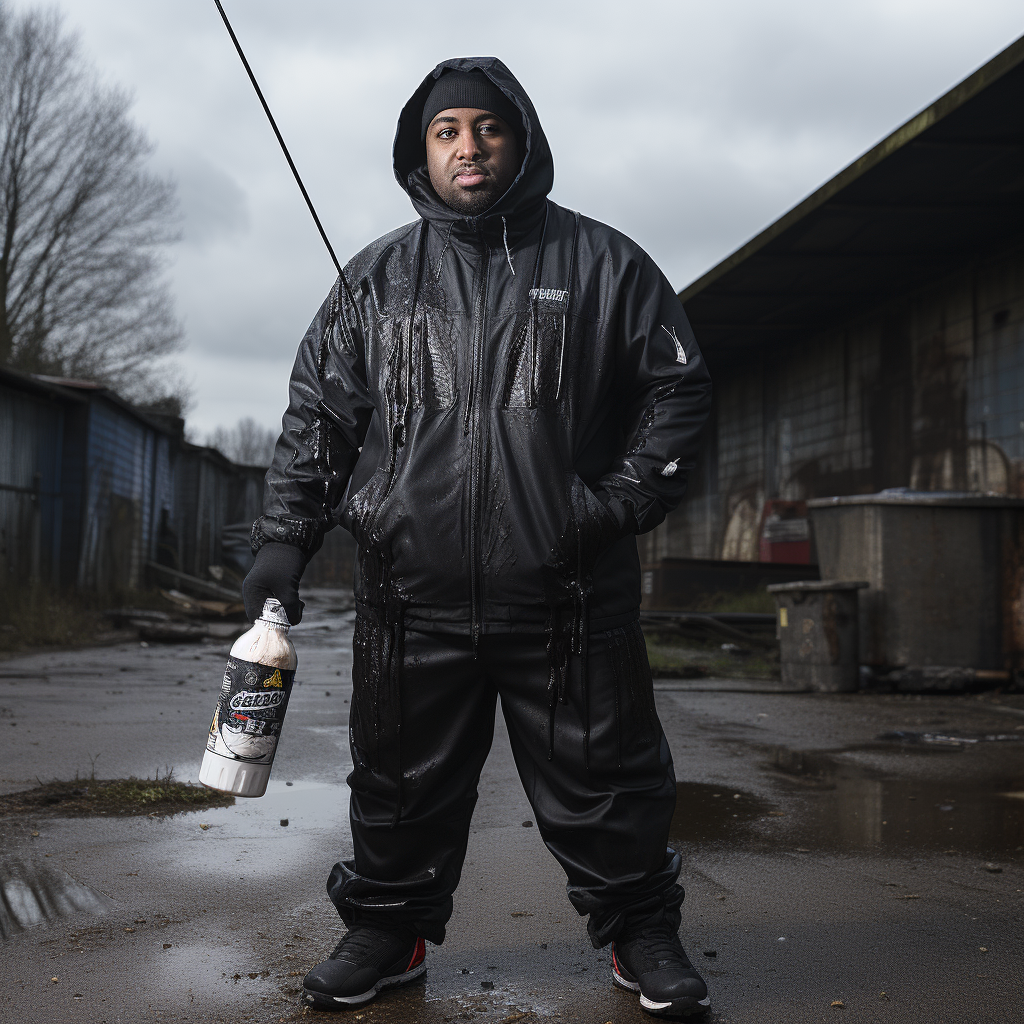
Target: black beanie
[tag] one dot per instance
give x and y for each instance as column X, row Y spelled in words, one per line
column 469, row 89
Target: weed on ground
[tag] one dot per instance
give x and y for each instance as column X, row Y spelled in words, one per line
column 85, row 797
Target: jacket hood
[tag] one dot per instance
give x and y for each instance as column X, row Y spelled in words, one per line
column 523, row 201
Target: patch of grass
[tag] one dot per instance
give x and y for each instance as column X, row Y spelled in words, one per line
column 676, row 663
column 680, row 658
column 86, row 797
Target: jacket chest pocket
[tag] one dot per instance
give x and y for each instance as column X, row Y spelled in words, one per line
column 535, row 366
column 418, row 371
column 434, row 371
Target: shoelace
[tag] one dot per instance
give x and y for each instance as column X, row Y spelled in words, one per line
column 662, row 948
column 360, row 942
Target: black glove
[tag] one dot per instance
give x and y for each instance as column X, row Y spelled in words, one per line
column 276, row 573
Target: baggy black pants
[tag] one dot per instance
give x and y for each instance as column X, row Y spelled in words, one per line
column 600, row 782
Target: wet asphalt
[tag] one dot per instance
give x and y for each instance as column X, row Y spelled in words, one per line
column 849, row 857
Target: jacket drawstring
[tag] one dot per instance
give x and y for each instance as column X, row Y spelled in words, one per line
column 559, row 664
column 532, row 402
column 508, row 253
column 556, row 672
column 581, row 641
column 565, row 312
column 397, row 657
column 440, row 259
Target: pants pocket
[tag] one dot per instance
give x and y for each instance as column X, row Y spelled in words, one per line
column 638, row 725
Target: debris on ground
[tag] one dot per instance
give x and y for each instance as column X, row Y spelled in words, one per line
column 205, row 608
column 173, row 632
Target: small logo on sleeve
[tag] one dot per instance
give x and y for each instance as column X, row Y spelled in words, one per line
column 680, row 351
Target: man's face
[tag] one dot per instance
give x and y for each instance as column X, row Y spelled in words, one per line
column 472, row 158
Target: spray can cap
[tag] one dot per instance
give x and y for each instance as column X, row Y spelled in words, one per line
column 273, row 611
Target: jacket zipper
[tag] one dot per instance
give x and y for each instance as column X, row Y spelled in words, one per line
column 475, row 456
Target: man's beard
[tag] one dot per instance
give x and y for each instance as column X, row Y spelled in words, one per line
column 469, row 203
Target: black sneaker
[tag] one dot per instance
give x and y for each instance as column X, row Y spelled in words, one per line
column 365, row 961
column 653, row 963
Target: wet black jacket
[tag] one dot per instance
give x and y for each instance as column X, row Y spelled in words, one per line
column 493, row 422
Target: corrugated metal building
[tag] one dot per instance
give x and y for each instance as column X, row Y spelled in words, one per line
column 873, row 337
column 211, row 492
column 125, row 485
column 32, row 425
column 92, row 488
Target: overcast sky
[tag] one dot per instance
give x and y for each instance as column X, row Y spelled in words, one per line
column 687, row 125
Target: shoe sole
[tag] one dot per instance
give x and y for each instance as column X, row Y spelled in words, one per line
column 323, row 1001
column 685, row 1007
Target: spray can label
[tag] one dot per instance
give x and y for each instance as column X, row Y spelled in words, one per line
column 247, row 721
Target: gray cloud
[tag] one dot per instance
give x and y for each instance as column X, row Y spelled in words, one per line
column 688, row 125
column 212, row 203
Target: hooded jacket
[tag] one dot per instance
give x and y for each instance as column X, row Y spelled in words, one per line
column 493, row 405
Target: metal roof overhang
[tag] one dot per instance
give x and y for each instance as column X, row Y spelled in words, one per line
column 942, row 190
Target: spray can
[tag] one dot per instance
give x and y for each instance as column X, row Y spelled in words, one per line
column 250, row 711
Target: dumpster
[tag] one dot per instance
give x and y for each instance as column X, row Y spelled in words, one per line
column 816, row 623
column 945, row 573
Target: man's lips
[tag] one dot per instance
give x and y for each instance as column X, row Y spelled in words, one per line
column 470, row 177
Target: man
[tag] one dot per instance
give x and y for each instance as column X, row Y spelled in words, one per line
column 494, row 399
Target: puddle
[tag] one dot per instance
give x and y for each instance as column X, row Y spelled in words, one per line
column 952, row 739
column 36, row 894
column 714, row 814
column 305, row 806
column 854, row 808
column 839, row 806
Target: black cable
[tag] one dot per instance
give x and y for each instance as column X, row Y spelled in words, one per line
column 277, row 132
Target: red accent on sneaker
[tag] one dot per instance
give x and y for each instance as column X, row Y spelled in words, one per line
column 615, row 960
column 418, row 953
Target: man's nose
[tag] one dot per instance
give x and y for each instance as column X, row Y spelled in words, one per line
column 468, row 148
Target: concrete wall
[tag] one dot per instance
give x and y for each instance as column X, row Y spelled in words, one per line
column 925, row 392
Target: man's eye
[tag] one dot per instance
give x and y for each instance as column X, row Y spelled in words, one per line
column 446, row 133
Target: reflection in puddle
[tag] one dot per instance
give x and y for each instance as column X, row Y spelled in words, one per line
column 290, row 823
column 844, row 807
column 36, row 894
column 305, row 806
column 853, row 808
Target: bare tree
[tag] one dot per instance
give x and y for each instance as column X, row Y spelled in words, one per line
column 246, row 442
column 83, row 224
